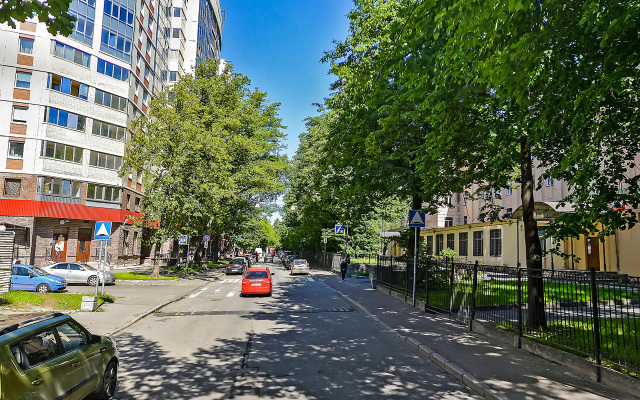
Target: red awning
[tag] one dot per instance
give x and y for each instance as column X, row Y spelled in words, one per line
column 49, row 209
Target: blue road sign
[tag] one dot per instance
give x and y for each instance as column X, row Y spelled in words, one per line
column 339, row 230
column 183, row 240
column 102, row 230
column 416, row 219
column 207, row 238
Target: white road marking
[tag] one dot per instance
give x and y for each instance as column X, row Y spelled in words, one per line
column 197, row 293
column 310, row 279
column 231, row 294
column 223, row 281
column 236, row 280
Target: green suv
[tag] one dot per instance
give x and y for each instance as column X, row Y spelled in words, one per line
column 54, row 357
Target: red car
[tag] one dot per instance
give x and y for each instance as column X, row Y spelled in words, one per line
column 256, row 281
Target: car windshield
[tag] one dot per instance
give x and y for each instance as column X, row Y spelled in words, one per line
column 256, row 275
column 89, row 267
column 237, row 261
column 297, row 262
column 39, row 271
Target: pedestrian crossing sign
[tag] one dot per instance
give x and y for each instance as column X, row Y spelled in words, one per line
column 416, row 219
column 183, row 240
column 340, row 230
column 102, row 230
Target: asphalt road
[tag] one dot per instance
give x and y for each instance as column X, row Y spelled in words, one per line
column 304, row 342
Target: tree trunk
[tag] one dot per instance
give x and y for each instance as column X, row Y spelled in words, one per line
column 536, row 318
column 156, row 264
column 216, row 248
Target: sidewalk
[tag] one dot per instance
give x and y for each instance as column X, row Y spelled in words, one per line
column 488, row 366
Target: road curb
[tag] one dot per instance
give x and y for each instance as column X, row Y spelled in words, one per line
column 156, row 308
column 449, row 367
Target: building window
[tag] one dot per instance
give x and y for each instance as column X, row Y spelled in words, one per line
column 137, row 204
column 496, row 194
column 451, row 241
column 448, row 221
column 72, row 54
column 58, row 187
column 112, row 70
column 463, row 244
column 543, row 240
column 104, row 160
column 176, row 33
column 429, row 245
column 117, row 29
column 110, row 100
column 104, row 193
column 439, row 243
column 173, row 76
column 495, row 243
column 85, row 13
column 26, row 46
column 107, row 130
column 509, row 191
column 176, row 11
column 12, row 187
column 549, row 181
column 16, row 149
column 61, row 151
column 464, row 220
column 65, row 118
column 509, row 212
column 23, row 80
column 478, row 247
column 20, row 114
column 466, row 198
column 68, row 86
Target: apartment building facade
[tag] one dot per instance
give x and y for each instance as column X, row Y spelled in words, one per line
column 66, row 104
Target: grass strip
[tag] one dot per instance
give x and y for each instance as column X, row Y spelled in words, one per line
column 137, row 276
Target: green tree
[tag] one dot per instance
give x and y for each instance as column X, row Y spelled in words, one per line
column 54, row 13
column 208, row 152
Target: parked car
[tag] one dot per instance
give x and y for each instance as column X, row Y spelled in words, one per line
column 299, row 266
column 237, row 266
column 249, row 260
column 80, row 273
column 256, row 281
column 52, row 357
column 268, row 257
column 34, row 279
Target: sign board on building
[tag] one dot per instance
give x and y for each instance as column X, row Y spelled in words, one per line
column 6, row 259
column 102, row 230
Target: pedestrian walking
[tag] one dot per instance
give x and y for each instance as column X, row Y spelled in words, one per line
column 343, row 268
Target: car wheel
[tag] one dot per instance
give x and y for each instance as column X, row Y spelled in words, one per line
column 43, row 288
column 92, row 280
column 108, row 384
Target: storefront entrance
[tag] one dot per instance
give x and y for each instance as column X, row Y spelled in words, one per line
column 59, row 246
column 83, row 253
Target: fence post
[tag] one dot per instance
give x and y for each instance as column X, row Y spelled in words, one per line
column 391, row 276
column 451, row 299
column 474, row 294
column 596, row 324
column 426, row 284
column 519, row 280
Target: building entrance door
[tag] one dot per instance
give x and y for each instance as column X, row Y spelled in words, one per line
column 593, row 253
column 59, row 250
column 84, row 245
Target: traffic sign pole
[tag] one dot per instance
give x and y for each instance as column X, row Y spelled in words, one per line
column 415, row 264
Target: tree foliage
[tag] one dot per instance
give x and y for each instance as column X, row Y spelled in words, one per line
column 435, row 98
column 54, row 13
column 208, row 152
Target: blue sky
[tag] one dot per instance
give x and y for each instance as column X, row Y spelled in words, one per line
column 278, row 45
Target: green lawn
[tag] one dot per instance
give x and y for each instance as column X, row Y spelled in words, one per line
column 142, row 277
column 46, row 301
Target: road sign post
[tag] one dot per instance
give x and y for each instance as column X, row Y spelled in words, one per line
column 102, row 233
column 417, row 220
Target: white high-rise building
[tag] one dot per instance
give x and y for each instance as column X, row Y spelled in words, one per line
column 65, row 108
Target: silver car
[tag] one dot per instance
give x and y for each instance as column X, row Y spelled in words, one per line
column 80, row 273
column 299, row 266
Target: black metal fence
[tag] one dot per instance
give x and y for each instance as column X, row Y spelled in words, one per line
column 593, row 314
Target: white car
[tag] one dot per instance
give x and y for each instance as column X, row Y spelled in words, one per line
column 79, row 273
column 299, row 266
